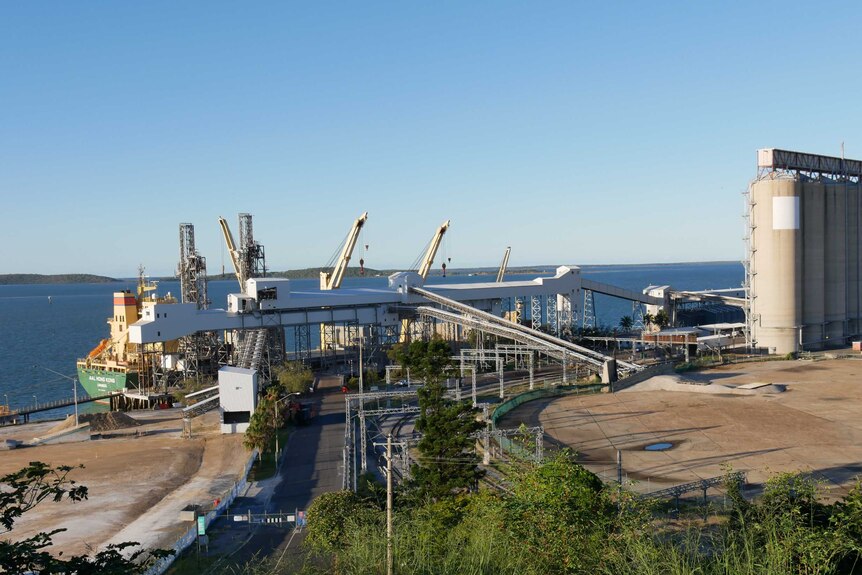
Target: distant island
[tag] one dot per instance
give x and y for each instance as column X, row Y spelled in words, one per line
column 18, row 279
column 314, row 273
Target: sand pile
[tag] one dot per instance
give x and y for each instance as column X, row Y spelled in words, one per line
column 677, row 383
column 68, row 423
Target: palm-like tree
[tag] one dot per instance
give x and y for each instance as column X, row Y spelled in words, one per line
column 649, row 319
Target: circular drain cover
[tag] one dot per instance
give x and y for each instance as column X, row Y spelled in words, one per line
column 658, row 446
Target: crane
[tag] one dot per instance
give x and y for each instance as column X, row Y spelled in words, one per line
column 424, row 268
column 332, row 280
column 428, row 260
column 504, row 264
column 235, row 256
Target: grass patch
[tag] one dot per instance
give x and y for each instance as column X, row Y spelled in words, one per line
column 189, row 563
column 264, row 466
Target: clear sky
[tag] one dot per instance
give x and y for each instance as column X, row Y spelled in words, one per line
column 576, row 132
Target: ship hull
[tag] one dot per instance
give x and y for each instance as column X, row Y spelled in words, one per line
column 97, row 381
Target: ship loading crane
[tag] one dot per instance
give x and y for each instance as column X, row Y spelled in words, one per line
column 504, row 264
column 235, row 257
column 249, row 262
column 248, row 259
column 423, row 268
column 332, row 279
column 431, row 252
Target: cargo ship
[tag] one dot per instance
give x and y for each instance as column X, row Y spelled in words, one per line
column 116, row 364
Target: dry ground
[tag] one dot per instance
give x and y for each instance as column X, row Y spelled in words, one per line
column 138, row 481
column 814, row 426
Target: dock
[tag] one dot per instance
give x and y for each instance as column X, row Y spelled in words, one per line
column 15, row 416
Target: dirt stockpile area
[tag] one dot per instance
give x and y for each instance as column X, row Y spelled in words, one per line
column 99, row 422
column 137, row 485
column 812, row 422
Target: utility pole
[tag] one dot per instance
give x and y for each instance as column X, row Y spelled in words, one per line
column 389, row 503
column 619, row 467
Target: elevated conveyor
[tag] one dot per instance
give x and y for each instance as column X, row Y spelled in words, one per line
column 555, row 351
column 618, row 292
column 537, row 336
column 732, row 296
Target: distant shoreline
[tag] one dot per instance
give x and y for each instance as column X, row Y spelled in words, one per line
column 313, row 273
column 40, row 279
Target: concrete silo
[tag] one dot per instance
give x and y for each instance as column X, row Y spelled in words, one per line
column 805, row 257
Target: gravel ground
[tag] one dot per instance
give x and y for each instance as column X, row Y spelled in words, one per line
column 138, row 483
column 814, row 426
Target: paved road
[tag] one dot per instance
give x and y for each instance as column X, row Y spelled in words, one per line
column 311, row 465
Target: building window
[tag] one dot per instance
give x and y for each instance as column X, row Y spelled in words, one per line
column 237, row 417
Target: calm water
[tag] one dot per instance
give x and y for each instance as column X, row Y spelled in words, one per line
column 48, row 327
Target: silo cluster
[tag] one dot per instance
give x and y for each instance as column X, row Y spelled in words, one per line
column 805, row 259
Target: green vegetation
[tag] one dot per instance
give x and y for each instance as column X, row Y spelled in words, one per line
column 26, row 279
column 189, row 385
column 559, row 518
column 266, row 418
column 626, row 322
column 370, row 377
column 265, row 465
column 447, row 462
column 23, row 490
column 294, row 376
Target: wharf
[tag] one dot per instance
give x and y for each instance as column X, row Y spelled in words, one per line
column 117, row 400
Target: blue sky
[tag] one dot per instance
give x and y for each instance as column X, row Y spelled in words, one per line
column 603, row 132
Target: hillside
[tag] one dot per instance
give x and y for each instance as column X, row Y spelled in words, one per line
column 13, row 279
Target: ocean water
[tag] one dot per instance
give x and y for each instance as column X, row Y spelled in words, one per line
column 44, row 329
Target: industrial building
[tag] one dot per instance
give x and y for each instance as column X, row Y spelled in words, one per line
column 804, row 257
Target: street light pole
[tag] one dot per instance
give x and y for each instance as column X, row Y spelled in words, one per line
column 389, row 504
column 361, row 387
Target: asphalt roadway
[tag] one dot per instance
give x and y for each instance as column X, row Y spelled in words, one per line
column 310, row 465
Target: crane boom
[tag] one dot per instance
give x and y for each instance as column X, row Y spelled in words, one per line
column 234, row 253
column 332, row 280
column 428, row 260
column 504, row 264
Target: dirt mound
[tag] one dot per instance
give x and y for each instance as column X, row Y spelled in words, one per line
column 67, row 423
column 108, row 421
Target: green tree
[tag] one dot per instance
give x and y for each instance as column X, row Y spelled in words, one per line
column 294, row 376
column 330, row 517
column 649, row 319
column 626, row 322
column 447, row 462
column 662, row 320
column 265, row 420
column 23, row 490
column 562, row 514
